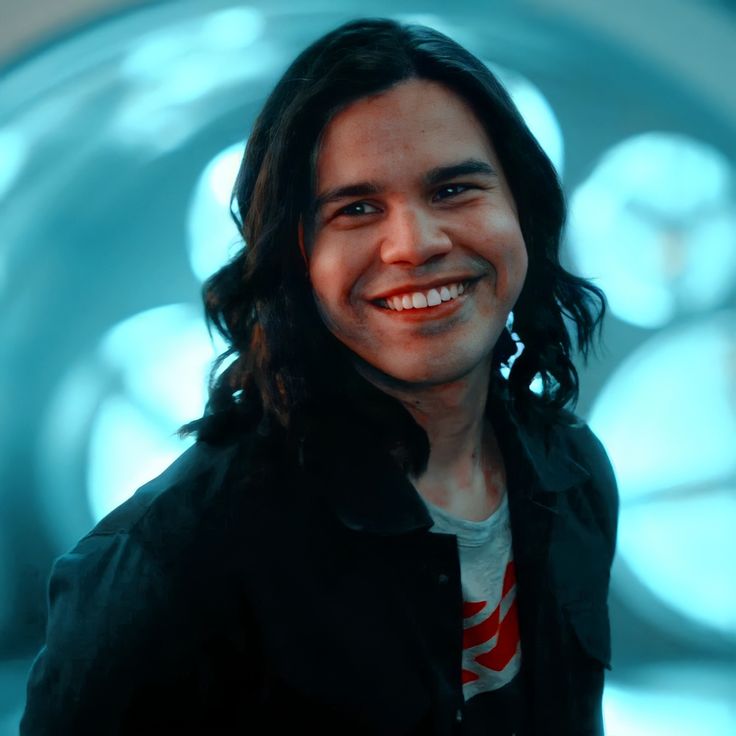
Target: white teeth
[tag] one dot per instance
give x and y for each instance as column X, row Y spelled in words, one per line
column 418, row 300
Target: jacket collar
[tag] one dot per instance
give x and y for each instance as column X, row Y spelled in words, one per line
column 369, row 493
column 551, row 468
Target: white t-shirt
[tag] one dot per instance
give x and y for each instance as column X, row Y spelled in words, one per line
column 491, row 645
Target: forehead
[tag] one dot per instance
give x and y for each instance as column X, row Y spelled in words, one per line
column 415, row 123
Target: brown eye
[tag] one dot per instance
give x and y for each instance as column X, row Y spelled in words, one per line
column 350, row 210
column 452, row 190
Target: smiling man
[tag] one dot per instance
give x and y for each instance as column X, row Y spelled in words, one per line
column 379, row 529
column 418, row 277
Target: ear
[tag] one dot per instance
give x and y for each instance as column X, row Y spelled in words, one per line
column 300, row 233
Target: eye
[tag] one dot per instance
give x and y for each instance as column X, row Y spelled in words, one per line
column 350, row 210
column 453, row 190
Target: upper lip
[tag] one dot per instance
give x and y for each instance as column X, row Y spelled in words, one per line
column 423, row 285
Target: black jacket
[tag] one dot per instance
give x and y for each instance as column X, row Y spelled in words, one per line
column 254, row 589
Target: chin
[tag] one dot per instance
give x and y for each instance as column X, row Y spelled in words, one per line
column 416, row 375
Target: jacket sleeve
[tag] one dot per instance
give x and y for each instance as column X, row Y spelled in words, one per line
column 587, row 619
column 607, row 498
column 108, row 603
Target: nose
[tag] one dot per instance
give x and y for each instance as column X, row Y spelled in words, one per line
column 412, row 235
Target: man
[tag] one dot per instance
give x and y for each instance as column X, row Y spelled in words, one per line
column 376, row 532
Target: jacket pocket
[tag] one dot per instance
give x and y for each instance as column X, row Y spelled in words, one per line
column 591, row 628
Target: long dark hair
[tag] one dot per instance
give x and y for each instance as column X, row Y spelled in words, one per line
column 285, row 363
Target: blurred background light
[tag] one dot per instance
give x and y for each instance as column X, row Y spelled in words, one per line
column 213, row 236
column 120, row 139
column 537, row 113
column 161, row 357
column 667, row 416
column 678, row 700
column 655, row 226
column 172, row 75
column 13, row 152
column 160, row 360
column 115, row 415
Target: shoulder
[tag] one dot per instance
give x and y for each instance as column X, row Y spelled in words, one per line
column 141, row 586
column 176, row 507
column 193, row 472
column 166, row 536
column 586, row 449
column 137, row 545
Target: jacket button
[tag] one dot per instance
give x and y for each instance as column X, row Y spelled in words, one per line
column 459, row 715
column 443, row 578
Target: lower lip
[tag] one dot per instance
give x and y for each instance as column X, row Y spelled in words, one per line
column 427, row 313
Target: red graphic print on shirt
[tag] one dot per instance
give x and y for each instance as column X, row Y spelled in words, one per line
column 499, row 631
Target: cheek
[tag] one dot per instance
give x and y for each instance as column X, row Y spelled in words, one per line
column 502, row 245
column 519, row 263
column 513, row 273
column 334, row 280
column 329, row 312
column 326, row 272
column 335, row 270
column 513, row 246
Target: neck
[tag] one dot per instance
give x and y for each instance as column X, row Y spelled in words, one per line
column 462, row 443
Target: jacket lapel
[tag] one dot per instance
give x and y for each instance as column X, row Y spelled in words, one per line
column 538, row 478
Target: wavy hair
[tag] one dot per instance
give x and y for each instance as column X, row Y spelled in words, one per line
column 285, row 364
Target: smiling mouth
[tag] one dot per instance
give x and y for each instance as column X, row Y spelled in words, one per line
column 420, row 306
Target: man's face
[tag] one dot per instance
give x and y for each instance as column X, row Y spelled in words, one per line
column 405, row 223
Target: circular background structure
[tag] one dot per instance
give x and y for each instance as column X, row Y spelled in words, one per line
column 110, row 141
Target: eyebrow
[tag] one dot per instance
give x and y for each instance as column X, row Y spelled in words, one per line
column 431, row 178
